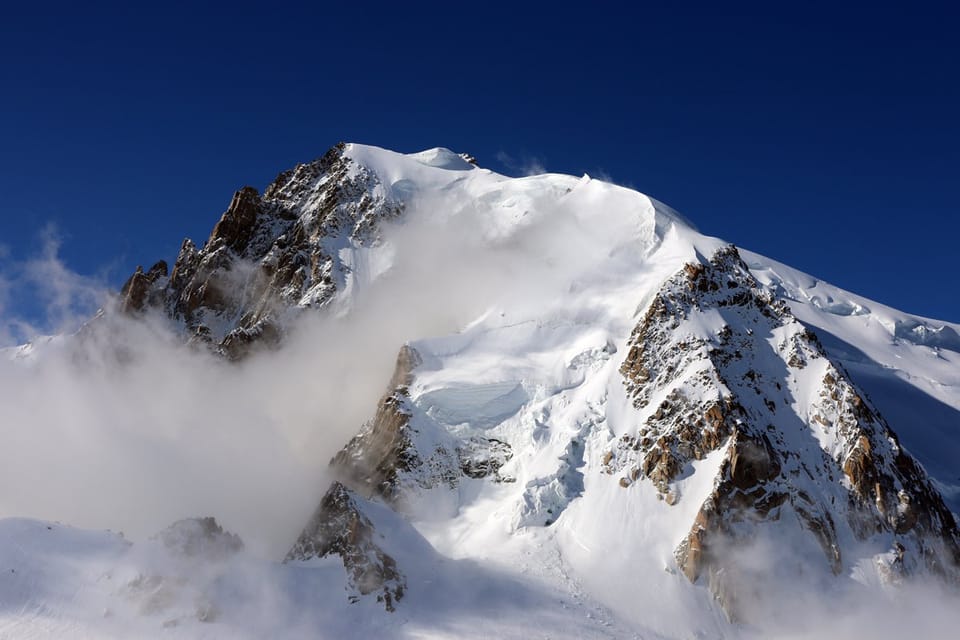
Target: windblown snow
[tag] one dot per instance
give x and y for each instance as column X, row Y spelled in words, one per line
column 519, row 297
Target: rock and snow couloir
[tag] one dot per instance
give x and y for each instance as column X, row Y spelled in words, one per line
column 672, row 426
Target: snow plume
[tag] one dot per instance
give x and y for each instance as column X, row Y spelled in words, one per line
column 124, row 427
column 457, row 259
column 526, row 166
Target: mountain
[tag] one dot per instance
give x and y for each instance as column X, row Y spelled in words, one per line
column 635, row 430
column 291, row 238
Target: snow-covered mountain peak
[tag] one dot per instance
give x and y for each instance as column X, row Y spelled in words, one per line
column 592, row 404
column 443, row 158
column 316, row 235
column 407, row 174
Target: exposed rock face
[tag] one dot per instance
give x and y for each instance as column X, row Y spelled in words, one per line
column 340, row 527
column 135, row 291
column 718, row 364
column 269, row 254
column 483, row 458
column 374, row 459
column 389, row 457
column 389, row 460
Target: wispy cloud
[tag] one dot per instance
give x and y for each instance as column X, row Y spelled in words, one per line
column 6, row 334
column 61, row 298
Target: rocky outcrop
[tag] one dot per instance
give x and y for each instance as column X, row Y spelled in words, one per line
column 184, row 589
column 268, row 255
column 135, row 291
column 340, row 527
column 374, row 459
column 391, row 458
column 483, row 458
column 200, row 538
column 238, row 223
column 719, row 365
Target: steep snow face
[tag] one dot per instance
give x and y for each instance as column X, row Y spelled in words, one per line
column 909, row 366
column 633, row 432
column 725, row 360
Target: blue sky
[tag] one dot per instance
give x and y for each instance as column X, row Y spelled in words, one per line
column 826, row 137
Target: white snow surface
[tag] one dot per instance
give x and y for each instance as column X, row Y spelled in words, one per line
column 909, row 366
column 560, row 551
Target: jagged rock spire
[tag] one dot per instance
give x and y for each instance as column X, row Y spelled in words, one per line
column 268, row 255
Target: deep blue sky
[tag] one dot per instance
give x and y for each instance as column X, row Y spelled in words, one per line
column 823, row 136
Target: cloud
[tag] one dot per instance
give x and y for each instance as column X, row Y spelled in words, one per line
column 124, row 427
column 68, row 297
column 7, row 336
column 6, row 332
column 782, row 587
column 63, row 299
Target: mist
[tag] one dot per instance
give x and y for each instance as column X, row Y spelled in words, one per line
column 123, row 427
column 915, row 609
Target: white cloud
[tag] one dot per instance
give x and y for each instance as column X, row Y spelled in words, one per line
column 123, row 427
column 6, row 331
column 69, row 298
column 64, row 299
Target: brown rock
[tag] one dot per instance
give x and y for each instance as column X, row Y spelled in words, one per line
column 133, row 294
column 339, row 527
column 238, row 222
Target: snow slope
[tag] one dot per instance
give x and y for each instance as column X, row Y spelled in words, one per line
column 61, row 582
column 908, row 365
